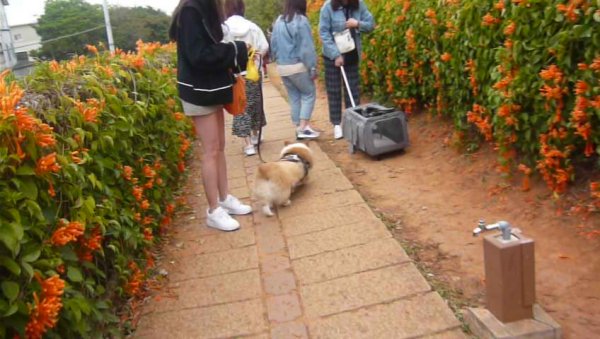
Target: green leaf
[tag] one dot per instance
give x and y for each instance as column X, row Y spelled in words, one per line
column 11, row 234
column 28, row 269
column 31, row 255
column 10, row 290
column 74, row 274
column 25, row 170
column 11, row 310
column 10, row 264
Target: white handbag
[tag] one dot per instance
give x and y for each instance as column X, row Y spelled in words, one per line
column 344, row 41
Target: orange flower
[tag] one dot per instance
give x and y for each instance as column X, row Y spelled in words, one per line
column 581, row 87
column 145, row 204
column 490, row 20
column 446, row 57
column 170, row 208
column 43, row 315
column 92, row 49
column 181, row 167
column 47, row 164
column 51, row 191
column 178, row 116
column 148, row 171
column 499, row 5
column 65, row 234
column 127, row 172
column 138, row 193
column 510, row 29
column 134, row 285
column 44, row 136
column 148, row 234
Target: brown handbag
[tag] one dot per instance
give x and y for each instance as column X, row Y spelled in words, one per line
column 238, row 105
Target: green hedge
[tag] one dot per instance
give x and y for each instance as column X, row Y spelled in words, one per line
column 524, row 74
column 92, row 154
column 521, row 73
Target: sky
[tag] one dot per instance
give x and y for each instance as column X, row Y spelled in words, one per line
column 27, row 11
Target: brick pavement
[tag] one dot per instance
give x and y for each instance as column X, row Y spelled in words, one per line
column 325, row 267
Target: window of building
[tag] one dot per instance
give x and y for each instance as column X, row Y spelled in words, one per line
column 18, row 37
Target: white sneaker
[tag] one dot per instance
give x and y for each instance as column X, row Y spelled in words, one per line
column 337, row 132
column 249, row 150
column 232, row 205
column 307, row 133
column 221, row 220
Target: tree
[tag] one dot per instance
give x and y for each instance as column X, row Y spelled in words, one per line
column 263, row 12
column 64, row 17
column 132, row 24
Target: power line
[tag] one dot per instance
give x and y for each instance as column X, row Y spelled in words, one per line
column 60, row 37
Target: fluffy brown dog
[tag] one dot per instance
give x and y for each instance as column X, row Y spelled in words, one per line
column 275, row 181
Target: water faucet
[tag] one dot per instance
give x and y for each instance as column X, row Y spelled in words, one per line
column 503, row 226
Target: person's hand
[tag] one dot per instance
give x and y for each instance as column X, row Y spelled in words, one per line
column 339, row 61
column 352, row 23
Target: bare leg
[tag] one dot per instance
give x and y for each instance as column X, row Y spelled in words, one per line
column 207, row 127
column 222, row 164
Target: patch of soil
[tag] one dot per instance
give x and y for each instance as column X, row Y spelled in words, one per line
column 432, row 196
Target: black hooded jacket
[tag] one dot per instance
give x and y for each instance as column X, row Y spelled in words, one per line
column 205, row 66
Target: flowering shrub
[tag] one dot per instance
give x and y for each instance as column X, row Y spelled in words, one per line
column 91, row 153
column 522, row 73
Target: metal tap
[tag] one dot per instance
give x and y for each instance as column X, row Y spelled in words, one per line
column 503, row 226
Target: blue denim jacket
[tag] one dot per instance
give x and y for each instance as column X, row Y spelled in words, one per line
column 293, row 44
column 332, row 21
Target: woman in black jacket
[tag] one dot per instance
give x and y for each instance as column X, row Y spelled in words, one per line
column 204, row 77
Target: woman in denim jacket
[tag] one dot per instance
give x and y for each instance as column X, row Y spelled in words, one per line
column 293, row 50
column 336, row 16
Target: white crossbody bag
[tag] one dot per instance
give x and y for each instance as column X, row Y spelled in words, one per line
column 344, row 41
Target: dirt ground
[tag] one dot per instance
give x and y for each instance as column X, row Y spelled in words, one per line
column 432, row 196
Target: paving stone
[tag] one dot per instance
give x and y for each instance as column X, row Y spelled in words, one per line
column 330, row 180
column 334, row 217
column 271, row 243
column 274, row 262
column 222, row 241
column 209, row 291
column 241, row 193
column 417, row 316
column 349, row 260
column 336, row 238
column 205, row 265
column 362, row 289
column 237, row 183
column 451, row 334
column 289, row 330
column 310, row 205
column 282, row 308
column 279, row 283
column 228, row 320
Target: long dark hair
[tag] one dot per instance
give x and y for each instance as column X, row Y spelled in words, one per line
column 293, row 7
column 234, row 7
column 335, row 4
column 212, row 17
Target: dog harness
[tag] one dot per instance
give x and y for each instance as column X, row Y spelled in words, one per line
column 295, row 158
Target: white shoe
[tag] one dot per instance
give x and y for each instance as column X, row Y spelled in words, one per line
column 232, row 205
column 337, row 132
column 249, row 150
column 307, row 133
column 221, row 220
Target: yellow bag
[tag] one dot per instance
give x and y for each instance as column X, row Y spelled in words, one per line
column 251, row 69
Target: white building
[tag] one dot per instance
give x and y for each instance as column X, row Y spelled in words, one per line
column 25, row 38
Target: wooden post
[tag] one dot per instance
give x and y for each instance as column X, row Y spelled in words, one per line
column 509, row 277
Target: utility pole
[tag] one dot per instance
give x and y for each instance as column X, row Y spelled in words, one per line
column 6, row 41
column 111, row 43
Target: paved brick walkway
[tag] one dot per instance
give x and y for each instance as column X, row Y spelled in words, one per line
column 325, row 267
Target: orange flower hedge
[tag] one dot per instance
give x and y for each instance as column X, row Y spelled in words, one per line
column 92, row 151
column 523, row 74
